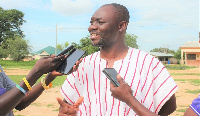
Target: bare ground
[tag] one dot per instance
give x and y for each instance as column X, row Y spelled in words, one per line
column 46, row 104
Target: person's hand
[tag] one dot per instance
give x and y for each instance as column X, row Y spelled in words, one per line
column 76, row 66
column 47, row 64
column 55, row 73
column 67, row 109
column 122, row 92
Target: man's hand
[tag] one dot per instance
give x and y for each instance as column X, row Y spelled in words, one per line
column 122, row 92
column 67, row 109
column 76, row 65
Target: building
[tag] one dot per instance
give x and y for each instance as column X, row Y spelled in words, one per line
column 164, row 58
column 48, row 51
column 191, row 51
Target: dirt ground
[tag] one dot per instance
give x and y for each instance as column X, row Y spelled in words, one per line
column 46, row 104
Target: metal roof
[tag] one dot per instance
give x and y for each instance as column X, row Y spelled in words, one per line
column 191, row 44
column 50, row 50
column 160, row 54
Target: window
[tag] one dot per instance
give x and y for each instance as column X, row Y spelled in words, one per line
column 191, row 56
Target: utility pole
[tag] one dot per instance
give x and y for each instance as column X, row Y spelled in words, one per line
column 56, row 41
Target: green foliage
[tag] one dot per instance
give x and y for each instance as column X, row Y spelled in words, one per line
column 163, row 50
column 131, row 40
column 85, row 44
column 177, row 54
column 59, row 47
column 66, row 44
column 3, row 52
column 18, row 48
column 10, row 22
column 62, row 46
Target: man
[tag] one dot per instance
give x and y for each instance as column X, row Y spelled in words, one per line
column 150, row 82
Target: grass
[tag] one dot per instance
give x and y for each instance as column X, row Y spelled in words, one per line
column 182, row 110
column 20, row 64
column 50, row 105
column 193, row 91
column 195, row 82
column 178, row 67
column 56, row 110
column 37, row 104
column 179, row 74
column 10, row 65
column 57, row 82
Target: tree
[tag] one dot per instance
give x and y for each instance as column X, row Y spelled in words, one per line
column 62, row 46
column 66, row 44
column 10, row 22
column 177, row 54
column 163, row 50
column 18, row 48
column 85, row 44
column 3, row 52
column 131, row 40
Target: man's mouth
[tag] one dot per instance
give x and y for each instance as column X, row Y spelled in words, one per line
column 93, row 36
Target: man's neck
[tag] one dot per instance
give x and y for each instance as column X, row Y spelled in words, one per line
column 113, row 54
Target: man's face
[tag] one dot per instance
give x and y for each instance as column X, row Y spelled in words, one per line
column 104, row 27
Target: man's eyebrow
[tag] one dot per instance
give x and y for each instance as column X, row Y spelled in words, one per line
column 95, row 18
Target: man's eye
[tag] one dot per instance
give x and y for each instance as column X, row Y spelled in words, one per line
column 101, row 22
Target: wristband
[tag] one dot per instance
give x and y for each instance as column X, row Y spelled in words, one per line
column 44, row 84
column 21, row 89
column 27, row 84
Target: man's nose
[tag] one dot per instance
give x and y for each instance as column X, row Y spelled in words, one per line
column 92, row 27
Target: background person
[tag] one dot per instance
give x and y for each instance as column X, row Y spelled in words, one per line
column 194, row 109
column 20, row 96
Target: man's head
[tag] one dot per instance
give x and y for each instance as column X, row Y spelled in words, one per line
column 121, row 12
column 108, row 24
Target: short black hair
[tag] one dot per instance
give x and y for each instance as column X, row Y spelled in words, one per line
column 122, row 11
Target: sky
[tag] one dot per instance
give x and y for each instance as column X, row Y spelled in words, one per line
column 156, row 23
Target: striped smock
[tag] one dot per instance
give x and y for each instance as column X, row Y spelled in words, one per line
column 150, row 81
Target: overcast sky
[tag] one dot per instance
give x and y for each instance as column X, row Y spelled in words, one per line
column 156, row 23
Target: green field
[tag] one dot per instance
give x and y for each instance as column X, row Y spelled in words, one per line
column 9, row 65
column 57, row 82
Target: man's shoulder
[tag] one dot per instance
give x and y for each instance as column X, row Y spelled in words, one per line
column 92, row 55
column 141, row 52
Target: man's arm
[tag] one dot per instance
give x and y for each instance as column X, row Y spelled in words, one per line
column 135, row 105
column 124, row 94
column 169, row 107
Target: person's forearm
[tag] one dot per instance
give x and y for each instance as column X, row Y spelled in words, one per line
column 34, row 93
column 13, row 97
column 138, row 108
column 9, row 100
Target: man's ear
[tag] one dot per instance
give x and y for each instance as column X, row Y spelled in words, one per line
column 122, row 26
